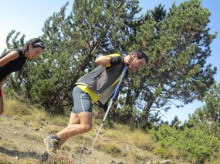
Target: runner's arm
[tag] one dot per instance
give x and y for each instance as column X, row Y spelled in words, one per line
column 103, row 60
column 9, row 57
column 109, row 60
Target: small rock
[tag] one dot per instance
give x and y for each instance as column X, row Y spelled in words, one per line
column 128, row 147
column 37, row 129
column 107, row 140
column 16, row 157
column 72, row 156
column 165, row 162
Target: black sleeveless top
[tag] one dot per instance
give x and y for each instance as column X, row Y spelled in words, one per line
column 13, row 65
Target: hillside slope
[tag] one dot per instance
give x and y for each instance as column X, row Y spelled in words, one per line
column 22, row 132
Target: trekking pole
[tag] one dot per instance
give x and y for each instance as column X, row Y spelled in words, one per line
column 109, row 106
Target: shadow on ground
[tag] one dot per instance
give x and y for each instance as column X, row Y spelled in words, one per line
column 19, row 154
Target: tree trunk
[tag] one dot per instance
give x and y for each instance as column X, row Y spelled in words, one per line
column 147, row 109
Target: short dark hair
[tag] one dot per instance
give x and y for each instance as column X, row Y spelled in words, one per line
column 140, row 54
column 32, row 42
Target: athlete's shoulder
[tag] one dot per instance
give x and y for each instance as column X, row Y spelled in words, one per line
column 14, row 54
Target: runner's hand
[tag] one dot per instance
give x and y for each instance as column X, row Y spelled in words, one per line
column 128, row 60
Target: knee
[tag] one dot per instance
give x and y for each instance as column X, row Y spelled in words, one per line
column 86, row 128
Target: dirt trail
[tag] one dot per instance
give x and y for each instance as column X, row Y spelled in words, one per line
column 20, row 143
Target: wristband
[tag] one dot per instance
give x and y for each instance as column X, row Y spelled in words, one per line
column 116, row 60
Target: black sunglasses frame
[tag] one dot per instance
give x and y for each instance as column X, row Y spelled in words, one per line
column 39, row 44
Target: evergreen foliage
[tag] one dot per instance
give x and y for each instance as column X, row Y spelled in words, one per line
column 197, row 139
column 208, row 116
column 178, row 46
column 176, row 41
column 194, row 144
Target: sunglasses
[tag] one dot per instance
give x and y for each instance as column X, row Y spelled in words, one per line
column 39, row 44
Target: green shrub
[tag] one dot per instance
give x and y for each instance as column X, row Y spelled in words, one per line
column 161, row 152
column 191, row 143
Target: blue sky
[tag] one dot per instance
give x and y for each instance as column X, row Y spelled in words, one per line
column 28, row 17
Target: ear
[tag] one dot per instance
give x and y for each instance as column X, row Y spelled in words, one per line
column 30, row 46
column 134, row 55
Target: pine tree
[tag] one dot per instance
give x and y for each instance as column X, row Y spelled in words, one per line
column 208, row 116
column 92, row 28
column 178, row 45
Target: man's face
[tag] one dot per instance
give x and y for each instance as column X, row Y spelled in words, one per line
column 137, row 64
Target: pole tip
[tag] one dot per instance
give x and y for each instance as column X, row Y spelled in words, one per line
column 90, row 151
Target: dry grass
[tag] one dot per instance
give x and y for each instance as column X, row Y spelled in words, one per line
column 59, row 120
column 215, row 158
column 39, row 119
column 15, row 108
column 110, row 148
column 4, row 161
column 59, row 159
column 8, row 145
column 136, row 137
column 119, row 142
column 30, row 114
column 138, row 157
column 35, row 137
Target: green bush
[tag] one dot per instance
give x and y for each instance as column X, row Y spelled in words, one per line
column 161, row 152
column 191, row 143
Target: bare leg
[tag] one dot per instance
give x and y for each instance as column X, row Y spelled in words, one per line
column 78, row 124
column 1, row 103
column 1, row 97
column 1, row 106
column 74, row 119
